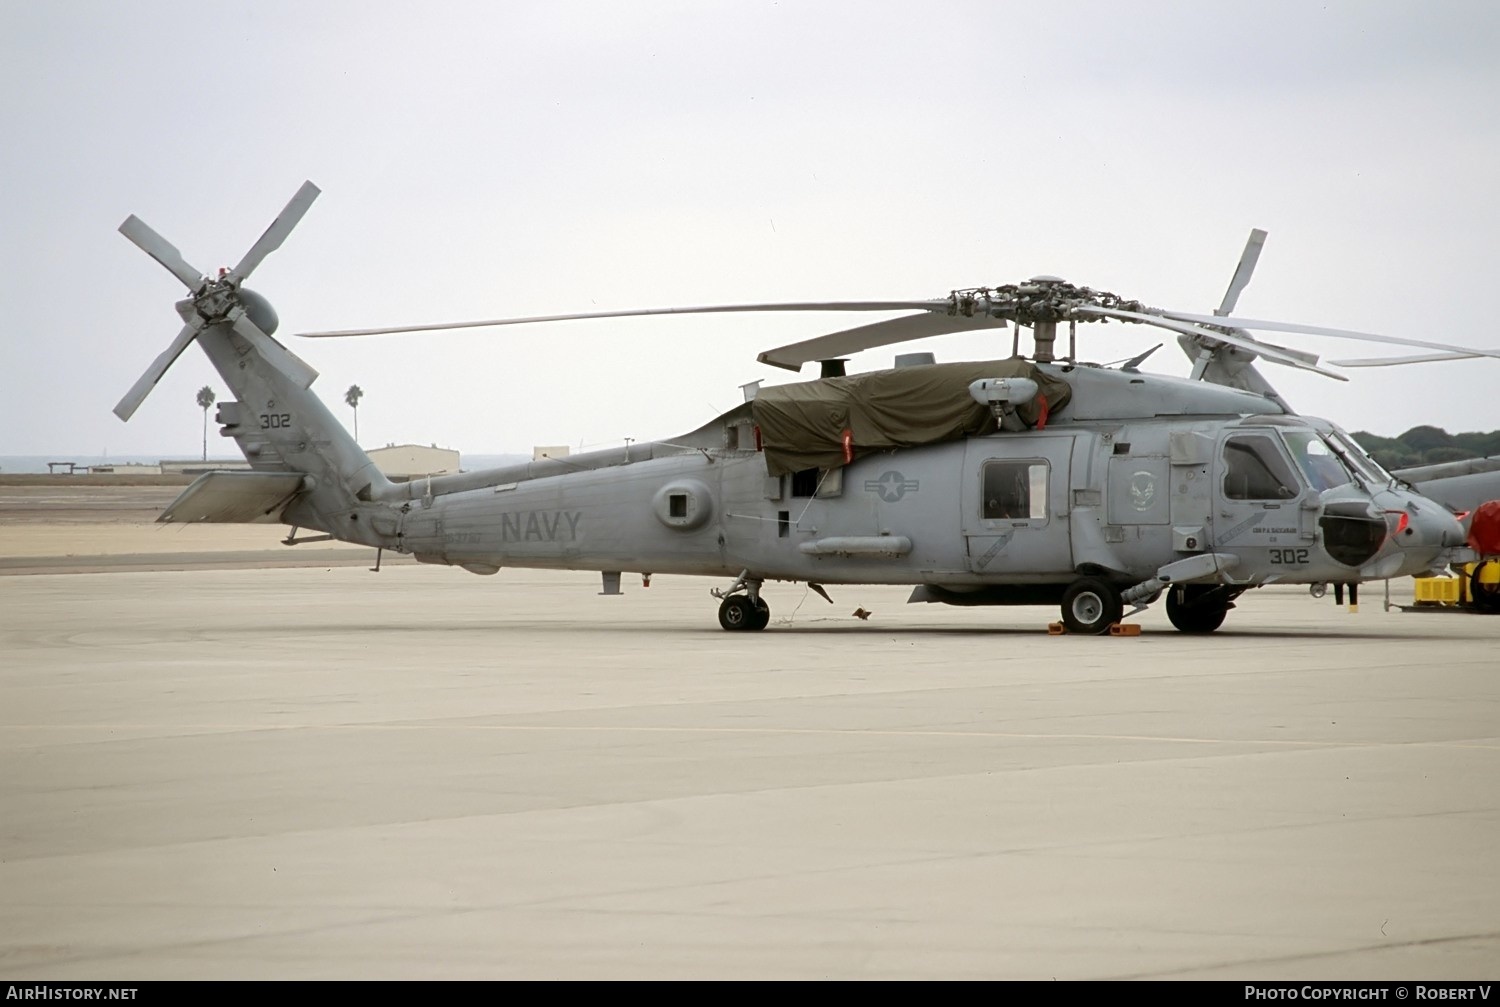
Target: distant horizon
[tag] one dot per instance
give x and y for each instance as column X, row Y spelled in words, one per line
column 106, row 456
column 32, row 464
column 23, row 464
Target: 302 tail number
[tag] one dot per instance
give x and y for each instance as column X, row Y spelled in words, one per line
column 275, row 421
column 1289, row 557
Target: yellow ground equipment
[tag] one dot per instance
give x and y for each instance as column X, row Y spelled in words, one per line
column 1475, row 587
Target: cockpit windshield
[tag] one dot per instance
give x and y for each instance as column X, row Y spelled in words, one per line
column 1360, row 459
column 1323, row 467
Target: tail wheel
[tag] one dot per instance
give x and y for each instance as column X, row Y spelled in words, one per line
column 1193, row 608
column 1091, row 606
column 738, row 612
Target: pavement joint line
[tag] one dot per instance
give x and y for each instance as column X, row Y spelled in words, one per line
column 837, row 732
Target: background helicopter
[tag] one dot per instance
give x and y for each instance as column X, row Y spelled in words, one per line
column 1028, row 480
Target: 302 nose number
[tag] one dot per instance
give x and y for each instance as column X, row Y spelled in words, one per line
column 275, row 421
column 1289, row 557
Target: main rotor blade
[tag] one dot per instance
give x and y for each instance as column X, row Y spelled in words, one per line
column 284, row 360
column 1246, row 267
column 162, row 250
column 1266, row 350
column 712, row 309
column 866, row 337
column 1392, row 361
column 147, row 381
column 1316, row 330
column 277, row 232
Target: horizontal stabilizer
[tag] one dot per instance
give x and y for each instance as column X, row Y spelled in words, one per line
column 234, row 498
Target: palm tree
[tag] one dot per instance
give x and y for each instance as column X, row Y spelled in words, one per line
column 205, row 399
column 352, row 397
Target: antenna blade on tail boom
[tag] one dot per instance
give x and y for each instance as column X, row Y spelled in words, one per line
column 147, row 381
column 277, row 232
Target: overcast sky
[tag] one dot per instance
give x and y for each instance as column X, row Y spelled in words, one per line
column 490, row 159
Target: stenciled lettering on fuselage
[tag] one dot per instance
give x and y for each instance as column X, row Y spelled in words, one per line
column 1001, row 541
column 892, row 486
column 539, row 526
column 1240, row 529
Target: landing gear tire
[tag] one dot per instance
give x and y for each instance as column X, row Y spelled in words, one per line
column 1090, row 606
column 1191, row 611
column 1483, row 597
column 738, row 612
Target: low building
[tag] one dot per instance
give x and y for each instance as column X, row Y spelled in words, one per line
column 403, row 462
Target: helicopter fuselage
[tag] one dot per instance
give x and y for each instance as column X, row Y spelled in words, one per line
column 1010, row 517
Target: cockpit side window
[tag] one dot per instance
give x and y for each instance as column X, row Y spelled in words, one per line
column 1322, row 467
column 1255, row 470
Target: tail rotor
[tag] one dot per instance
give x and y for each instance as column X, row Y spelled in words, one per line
column 220, row 301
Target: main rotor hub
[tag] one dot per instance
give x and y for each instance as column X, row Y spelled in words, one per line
column 1039, row 299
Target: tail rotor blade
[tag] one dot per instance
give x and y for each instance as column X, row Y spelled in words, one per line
column 1242, row 274
column 147, row 381
column 162, row 250
column 294, row 367
column 277, row 232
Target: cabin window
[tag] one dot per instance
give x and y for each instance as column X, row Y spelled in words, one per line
column 805, row 483
column 1255, row 470
column 677, row 505
column 1014, row 491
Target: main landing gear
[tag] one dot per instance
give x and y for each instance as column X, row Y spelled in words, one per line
column 740, row 611
column 743, row 611
column 1198, row 608
column 1090, row 606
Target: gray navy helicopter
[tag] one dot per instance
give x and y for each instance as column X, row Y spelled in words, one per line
column 1029, row 480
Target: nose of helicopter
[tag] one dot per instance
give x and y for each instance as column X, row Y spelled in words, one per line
column 1428, row 536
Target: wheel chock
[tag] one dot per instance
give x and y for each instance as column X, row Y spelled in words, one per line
column 1056, row 629
column 1125, row 629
